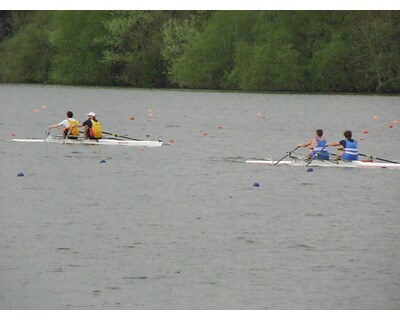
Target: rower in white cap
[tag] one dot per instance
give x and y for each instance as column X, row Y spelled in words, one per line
column 92, row 127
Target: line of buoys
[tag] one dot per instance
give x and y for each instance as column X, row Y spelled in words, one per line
column 376, row 117
column 393, row 123
column 205, row 133
column 37, row 109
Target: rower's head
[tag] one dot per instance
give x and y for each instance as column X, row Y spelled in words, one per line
column 319, row 132
column 347, row 134
column 70, row 114
column 91, row 115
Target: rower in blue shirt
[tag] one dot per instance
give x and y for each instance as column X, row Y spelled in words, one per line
column 316, row 147
column 348, row 147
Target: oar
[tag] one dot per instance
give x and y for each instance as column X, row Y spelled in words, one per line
column 118, row 135
column 68, row 133
column 372, row 157
column 315, row 155
column 287, row 154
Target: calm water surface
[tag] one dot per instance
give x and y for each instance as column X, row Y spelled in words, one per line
column 181, row 226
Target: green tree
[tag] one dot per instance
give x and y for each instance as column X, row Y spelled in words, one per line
column 331, row 67
column 25, row 57
column 132, row 48
column 209, row 57
column 76, row 37
column 5, row 24
column 329, row 51
column 375, row 36
column 176, row 35
column 270, row 61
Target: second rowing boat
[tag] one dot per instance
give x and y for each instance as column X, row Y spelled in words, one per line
column 327, row 163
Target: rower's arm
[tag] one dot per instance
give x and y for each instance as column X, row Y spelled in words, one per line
column 333, row 144
column 303, row 145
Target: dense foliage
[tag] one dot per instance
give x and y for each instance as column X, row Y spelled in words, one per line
column 319, row 51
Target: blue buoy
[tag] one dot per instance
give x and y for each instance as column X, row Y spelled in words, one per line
column 256, row 184
column 310, row 170
column 20, row 174
column 102, row 161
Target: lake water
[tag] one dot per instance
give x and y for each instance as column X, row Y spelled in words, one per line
column 181, row 226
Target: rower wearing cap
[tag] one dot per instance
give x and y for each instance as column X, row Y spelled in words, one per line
column 92, row 127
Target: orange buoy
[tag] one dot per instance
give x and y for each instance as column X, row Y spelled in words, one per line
column 394, row 121
column 390, row 126
column 132, row 118
column 376, row 117
column 365, row 131
column 43, row 107
column 36, row 110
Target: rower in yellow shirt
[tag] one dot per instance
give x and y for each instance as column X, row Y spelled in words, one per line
column 68, row 127
column 92, row 127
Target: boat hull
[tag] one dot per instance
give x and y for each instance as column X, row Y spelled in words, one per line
column 109, row 142
column 331, row 164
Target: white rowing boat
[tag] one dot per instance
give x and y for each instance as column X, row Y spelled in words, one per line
column 328, row 163
column 108, row 142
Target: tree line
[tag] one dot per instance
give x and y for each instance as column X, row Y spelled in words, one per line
column 299, row 51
